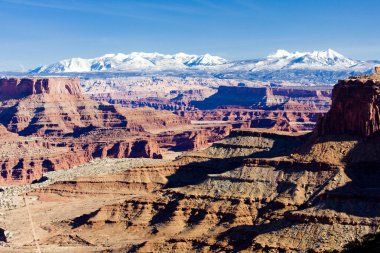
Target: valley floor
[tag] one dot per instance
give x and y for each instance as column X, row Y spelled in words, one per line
column 249, row 192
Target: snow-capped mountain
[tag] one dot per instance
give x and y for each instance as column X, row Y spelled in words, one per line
column 317, row 67
column 136, row 61
column 206, row 60
column 317, row 60
column 328, row 59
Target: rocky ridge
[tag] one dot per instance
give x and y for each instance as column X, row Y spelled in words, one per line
column 244, row 193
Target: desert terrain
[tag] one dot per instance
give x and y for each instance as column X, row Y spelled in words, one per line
column 83, row 175
column 198, row 126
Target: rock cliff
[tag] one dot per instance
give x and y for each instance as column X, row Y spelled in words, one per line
column 74, row 128
column 281, row 120
column 54, row 106
column 267, row 98
column 355, row 108
column 296, row 107
column 15, row 88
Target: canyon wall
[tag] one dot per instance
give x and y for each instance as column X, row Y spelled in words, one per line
column 267, row 98
column 284, row 108
column 47, row 124
column 355, row 108
column 14, row 88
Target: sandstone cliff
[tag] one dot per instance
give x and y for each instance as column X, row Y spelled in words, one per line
column 15, row 88
column 296, row 108
column 268, row 98
column 75, row 129
column 354, row 110
column 53, row 106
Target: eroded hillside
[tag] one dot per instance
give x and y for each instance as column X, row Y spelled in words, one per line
column 254, row 191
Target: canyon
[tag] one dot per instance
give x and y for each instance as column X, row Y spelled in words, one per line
column 251, row 190
column 278, row 108
column 189, row 126
column 51, row 125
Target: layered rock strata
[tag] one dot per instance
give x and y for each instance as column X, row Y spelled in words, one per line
column 248, row 192
column 56, row 108
column 254, row 191
column 52, row 126
column 355, row 108
column 297, row 108
column 268, row 98
column 15, row 88
column 76, row 129
column 276, row 120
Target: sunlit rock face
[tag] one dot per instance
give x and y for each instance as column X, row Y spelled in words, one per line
column 354, row 109
column 14, row 88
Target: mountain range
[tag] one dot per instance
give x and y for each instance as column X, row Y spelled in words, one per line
column 135, row 61
column 318, row 67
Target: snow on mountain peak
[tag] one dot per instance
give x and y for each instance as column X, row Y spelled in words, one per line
column 280, row 53
column 328, row 60
column 206, row 60
column 134, row 61
column 328, row 54
column 283, row 59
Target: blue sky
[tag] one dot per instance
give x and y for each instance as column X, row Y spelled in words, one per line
column 36, row 32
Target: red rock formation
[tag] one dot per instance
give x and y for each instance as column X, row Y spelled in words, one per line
column 173, row 101
column 59, row 108
column 115, row 143
column 22, row 161
column 194, row 139
column 154, row 120
column 298, row 108
column 267, row 98
column 5, row 134
column 251, row 192
column 25, row 160
column 355, row 108
column 75, row 129
column 279, row 124
column 183, row 141
column 284, row 109
column 54, row 106
column 15, row 88
column 298, row 120
column 239, row 195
